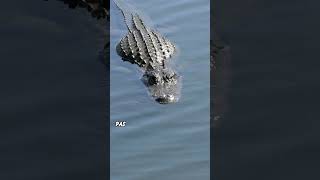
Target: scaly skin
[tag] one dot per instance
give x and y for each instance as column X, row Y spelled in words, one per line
column 151, row 51
column 145, row 47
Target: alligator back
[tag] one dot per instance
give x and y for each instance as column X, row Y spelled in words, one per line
column 143, row 46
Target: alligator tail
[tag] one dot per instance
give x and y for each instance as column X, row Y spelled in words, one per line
column 126, row 15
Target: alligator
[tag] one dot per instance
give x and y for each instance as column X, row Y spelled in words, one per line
column 151, row 51
column 220, row 59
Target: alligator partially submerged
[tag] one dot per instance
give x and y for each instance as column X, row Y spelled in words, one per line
column 151, row 52
column 220, row 62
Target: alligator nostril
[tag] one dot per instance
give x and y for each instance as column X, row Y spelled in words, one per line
column 162, row 100
column 170, row 98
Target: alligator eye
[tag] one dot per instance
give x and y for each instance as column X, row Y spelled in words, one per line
column 153, row 80
column 172, row 75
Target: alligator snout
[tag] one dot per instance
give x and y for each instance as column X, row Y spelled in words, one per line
column 166, row 99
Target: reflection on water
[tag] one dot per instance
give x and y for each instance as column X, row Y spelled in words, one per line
column 271, row 129
column 53, row 103
column 163, row 141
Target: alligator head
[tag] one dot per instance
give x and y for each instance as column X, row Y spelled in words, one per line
column 164, row 85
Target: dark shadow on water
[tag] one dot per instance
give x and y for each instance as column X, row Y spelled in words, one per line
column 54, row 110
column 271, row 128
